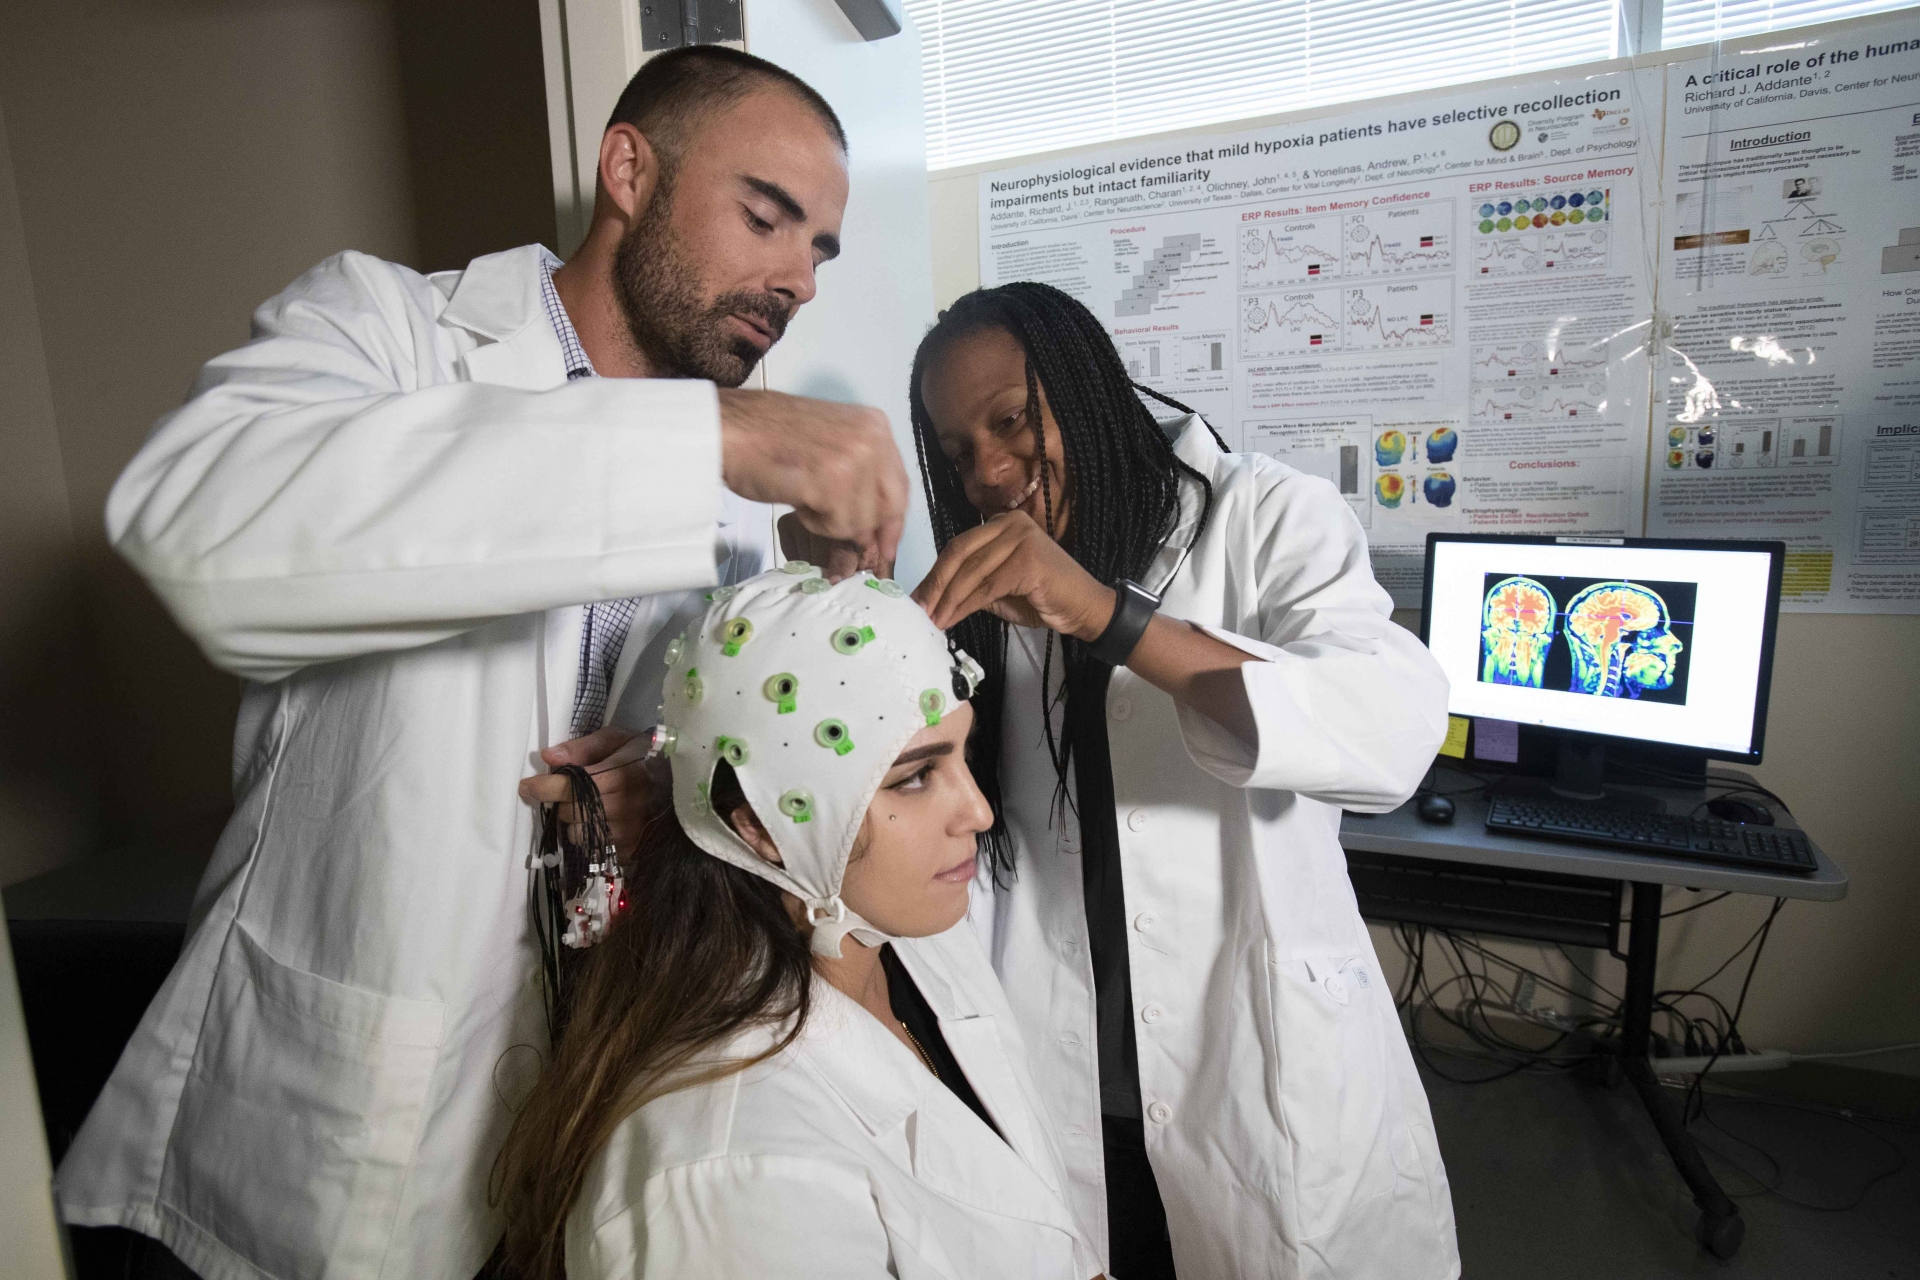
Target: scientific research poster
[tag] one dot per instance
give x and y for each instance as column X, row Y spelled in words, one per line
column 1790, row 271
column 1442, row 308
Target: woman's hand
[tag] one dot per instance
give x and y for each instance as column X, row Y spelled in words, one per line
column 1010, row 567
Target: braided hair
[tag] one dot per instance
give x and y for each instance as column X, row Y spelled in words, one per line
column 1121, row 474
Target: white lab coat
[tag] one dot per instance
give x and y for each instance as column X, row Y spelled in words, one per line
column 1287, row 1129
column 843, row 1156
column 383, row 512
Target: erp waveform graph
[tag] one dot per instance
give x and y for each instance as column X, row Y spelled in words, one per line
column 1511, row 363
column 1537, row 401
column 1370, row 317
column 1290, row 323
column 1380, row 317
column 1500, row 361
column 1574, row 250
column 1277, row 250
column 1399, row 240
column 1289, row 252
column 1542, row 252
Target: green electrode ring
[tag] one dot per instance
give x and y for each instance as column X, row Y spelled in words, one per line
column 676, row 647
column 696, row 688
column 851, row 640
column 736, row 633
column 814, row 586
column 834, row 734
column 797, row 804
column 932, row 703
column 780, row 691
column 887, row 587
column 732, row 750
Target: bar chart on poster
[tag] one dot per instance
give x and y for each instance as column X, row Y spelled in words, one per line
column 1676, row 300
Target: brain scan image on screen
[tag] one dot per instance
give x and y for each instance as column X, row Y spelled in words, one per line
column 1620, row 640
column 1516, row 632
column 1610, row 638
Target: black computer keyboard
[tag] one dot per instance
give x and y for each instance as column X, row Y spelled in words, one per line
column 1703, row 839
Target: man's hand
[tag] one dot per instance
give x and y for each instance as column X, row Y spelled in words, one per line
column 1010, row 567
column 632, row 790
column 836, row 559
column 835, row 464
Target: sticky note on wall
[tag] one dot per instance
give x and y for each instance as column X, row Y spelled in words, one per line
column 1496, row 740
column 1456, row 743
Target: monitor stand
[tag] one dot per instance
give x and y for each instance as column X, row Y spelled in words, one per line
column 1625, row 775
column 1580, row 772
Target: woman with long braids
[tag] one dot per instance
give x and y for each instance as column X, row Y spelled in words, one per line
column 1189, row 672
column 789, row 1057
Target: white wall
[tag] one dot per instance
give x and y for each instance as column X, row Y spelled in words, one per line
column 854, row 342
column 1843, row 749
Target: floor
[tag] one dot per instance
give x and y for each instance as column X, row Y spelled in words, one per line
column 1553, row 1177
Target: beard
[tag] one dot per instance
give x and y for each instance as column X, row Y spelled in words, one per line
column 682, row 334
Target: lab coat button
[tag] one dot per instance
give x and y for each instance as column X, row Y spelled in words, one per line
column 1137, row 820
column 1145, row 921
column 1336, row 987
column 1121, row 709
column 1159, row 1113
column 1152, row 1013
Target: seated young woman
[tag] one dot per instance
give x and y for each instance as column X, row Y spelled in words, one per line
column 789, row 1056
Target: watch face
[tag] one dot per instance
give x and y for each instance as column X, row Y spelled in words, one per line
column 1505, row 136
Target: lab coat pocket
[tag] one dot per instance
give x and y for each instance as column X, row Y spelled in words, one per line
column 1333, row 1080
column 305, row 1098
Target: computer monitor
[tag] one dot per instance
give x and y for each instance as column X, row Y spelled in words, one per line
column 1648, row 641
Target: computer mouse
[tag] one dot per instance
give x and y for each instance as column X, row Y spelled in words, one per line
column 1731, row 810
column 1435, row 809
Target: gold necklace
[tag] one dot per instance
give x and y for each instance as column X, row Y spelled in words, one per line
column 915, row 1042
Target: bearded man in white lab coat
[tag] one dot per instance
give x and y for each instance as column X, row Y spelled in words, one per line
column 436, row 522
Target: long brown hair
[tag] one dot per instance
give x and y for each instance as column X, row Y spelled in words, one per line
column 704, row 950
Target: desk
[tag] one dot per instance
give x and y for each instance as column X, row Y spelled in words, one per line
column 1562, row 892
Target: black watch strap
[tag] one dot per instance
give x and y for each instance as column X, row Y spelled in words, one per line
column 1132, row 610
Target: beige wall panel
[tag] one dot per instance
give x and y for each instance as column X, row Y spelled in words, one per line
column 45, row 800
column 176, row 164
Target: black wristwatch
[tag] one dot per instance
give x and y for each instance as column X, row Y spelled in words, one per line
column 1131, row 613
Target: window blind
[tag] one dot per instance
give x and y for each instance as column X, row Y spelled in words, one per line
column 1010, row 77
column 1699, row 21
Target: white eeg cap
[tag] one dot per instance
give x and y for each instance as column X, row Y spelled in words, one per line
column 809, row 689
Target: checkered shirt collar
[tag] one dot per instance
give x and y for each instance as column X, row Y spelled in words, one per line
column 575, row 355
